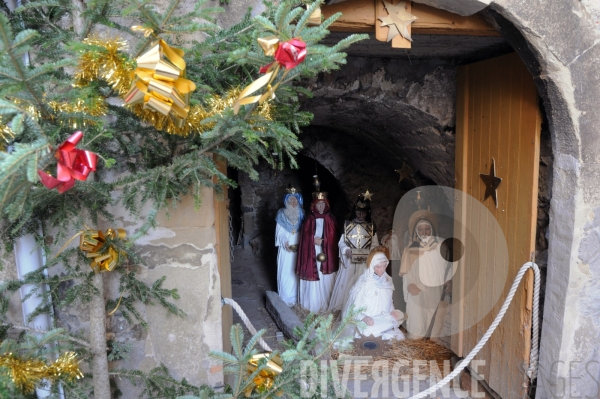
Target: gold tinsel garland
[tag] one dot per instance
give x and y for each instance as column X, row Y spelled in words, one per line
column 193, row 123
column 96, row 107
column 110, row 65
column 27, row 374
column 116, row 69
column 6, row 135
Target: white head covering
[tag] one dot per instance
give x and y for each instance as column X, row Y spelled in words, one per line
column 377, row 259
column 424, row 239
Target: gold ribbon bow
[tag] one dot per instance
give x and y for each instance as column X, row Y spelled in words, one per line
column 269, row 45
column 266, row 377
column 159, row 82
column 104, row 257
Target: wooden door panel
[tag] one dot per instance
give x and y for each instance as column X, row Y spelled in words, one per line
column 497, row 117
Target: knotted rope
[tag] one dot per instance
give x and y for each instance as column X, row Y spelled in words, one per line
column 533, row 358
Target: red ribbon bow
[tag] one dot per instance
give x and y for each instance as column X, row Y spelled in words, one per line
column 73, row 164
column 289, row 54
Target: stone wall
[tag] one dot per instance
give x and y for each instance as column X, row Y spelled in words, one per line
column 403, row 109
column 346, row 168
column 181, row 248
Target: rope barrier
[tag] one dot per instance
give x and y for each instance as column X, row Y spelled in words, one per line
column 533, row 358
column 246, row 321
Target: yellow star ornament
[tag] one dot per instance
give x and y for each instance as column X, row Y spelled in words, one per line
column 398, row 20
column 367, row 195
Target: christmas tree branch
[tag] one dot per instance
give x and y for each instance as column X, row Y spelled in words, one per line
column 37, row 331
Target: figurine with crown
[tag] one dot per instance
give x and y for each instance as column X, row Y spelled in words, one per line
column 318, row 259
column 358, row 238
column 287, row 234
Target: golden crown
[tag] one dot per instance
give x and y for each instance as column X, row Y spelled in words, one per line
column 319, row 195
column 292, row 190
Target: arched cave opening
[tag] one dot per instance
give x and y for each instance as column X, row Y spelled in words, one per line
column 384, row 109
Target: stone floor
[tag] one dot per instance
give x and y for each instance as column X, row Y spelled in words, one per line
column 252, row 277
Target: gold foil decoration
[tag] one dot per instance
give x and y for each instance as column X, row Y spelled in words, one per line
column 269, row 45
column 160, row 84
column 104, row 257
column 27, row 374
column 147, row 31
column 266, row 377
column 288, row 54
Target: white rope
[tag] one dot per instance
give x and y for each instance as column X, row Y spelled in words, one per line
column 246, row 321
column 533, row 358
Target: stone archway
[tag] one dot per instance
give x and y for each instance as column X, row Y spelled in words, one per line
column 559, row 43
column 562, row 69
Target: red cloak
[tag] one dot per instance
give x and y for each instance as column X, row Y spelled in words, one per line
column 306, row 264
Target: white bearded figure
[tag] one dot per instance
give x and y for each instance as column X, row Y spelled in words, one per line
column 287, row 234
column 373, row 294
column 425, row 272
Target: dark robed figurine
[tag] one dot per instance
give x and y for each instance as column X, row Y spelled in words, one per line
column 318, row 240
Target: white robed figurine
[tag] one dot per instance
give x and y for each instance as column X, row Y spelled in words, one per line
column 357, row 239
column 287, row 233
column 373, row 293
column 425, row 273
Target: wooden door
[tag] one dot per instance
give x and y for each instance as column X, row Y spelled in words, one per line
column 497, row 117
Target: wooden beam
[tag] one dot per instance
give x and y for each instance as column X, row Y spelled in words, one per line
column 433, row 21
column 357, row 16
column 360, row 16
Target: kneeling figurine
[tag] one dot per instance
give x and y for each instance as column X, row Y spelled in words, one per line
column 373, row 294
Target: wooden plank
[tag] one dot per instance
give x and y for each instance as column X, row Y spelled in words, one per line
column 487, row 235
column 460, row 229
column 357, row 16
column 361, row 16
column 506, row 336
column 527, row 215
column 504, row 169
column 475, row 161
column 223, row 259
column 433, row 21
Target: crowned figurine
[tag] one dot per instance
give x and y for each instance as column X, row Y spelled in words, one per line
column 357, row 239
column 318, row 260
column 287, row 233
